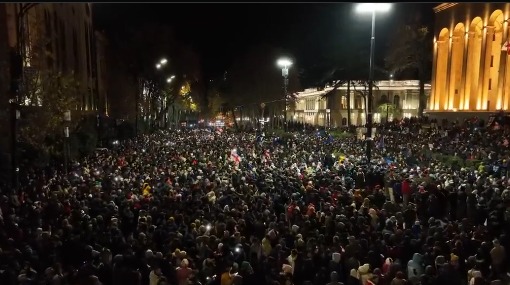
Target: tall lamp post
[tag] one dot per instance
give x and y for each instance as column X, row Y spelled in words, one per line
column 372, row 8
column 67, row 152
column 284, row 64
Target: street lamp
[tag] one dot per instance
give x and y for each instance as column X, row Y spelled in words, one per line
column 67, row 121
column 284, row 64
column 169, row 79
column 161, row 63
column 262, row 106
column 372, row 8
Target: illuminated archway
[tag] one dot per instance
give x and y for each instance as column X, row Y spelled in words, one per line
column 494, row 41
column 455, row 94
column 474, row 53
column 441, row 95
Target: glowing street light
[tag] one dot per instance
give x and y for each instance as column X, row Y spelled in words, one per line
column 284, row 64
column 372, row 8
column 169, row 79
column 161, row 63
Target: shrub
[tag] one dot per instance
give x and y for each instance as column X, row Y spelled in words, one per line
column 341, row 134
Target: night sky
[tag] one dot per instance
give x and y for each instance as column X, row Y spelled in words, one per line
column 310, row 32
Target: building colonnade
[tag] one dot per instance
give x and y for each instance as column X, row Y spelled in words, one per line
column 471, row 69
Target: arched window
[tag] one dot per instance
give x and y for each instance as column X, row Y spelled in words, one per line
column 396, row 101
column 455, row 94
column 383, row 99
column 440, row 85
column 358, row 102
column 490, row 99
column 474, row 53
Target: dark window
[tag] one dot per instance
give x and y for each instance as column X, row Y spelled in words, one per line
column 396, row 101
column 75, row 53
column 492, row 60
column 48, row 32
column 490, row 83
column 493, row 37
column 63, row 52
column 384, row 99
column 358, row 102
column 344, row 121
column 87, row 50
column 93, row 55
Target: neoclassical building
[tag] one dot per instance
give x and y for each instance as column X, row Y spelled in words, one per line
column 312, row 107
column 471, row 70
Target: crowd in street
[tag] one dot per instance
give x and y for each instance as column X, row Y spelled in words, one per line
column 224, row 207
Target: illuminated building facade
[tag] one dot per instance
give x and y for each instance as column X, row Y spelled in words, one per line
column 471, row 70
column 312, row 107
column 64, row 31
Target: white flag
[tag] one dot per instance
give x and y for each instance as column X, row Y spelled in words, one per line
column 505, row 46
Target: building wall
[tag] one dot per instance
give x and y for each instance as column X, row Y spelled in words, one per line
column 470, row 65
column 312, row 108
column 101, row 56
column 64, row 31
column 4, row 96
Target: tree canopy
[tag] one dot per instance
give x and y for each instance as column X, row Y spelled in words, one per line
column 410, row 50
column 56, row 93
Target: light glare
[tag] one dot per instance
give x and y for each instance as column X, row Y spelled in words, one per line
column 158, row 66
column 284, row 62
column 163, row 61
column 373, row 7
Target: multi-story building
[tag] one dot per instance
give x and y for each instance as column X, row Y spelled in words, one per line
column 312, row 107
column 62, row 35
column 101, row 72
column 54, row 37
column 471, row 70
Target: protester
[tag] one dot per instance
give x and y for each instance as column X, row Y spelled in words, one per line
column 197, row 207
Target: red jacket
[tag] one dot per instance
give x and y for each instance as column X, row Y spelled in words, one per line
column 406, row 187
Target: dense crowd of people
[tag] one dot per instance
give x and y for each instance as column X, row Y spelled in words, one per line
column 213, row 207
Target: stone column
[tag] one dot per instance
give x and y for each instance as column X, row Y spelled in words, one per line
column 485, row 66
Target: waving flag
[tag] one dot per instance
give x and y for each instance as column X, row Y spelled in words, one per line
column 380, row 144
column 506, row 47
column 235, row 157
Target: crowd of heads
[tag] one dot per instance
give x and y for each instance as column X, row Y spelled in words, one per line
column 221, row 207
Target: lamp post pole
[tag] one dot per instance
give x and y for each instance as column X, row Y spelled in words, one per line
column 285, row 63
column 370, row 91
column 262, row 120
column 67, row 152
column 285, row 73
column 371, row 8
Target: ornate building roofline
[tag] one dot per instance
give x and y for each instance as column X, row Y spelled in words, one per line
column 443, row 6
